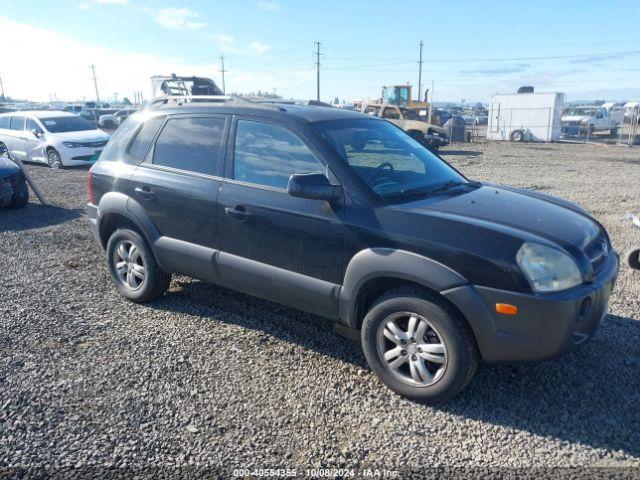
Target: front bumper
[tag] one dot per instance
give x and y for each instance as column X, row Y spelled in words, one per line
column 72, row 157
column 436, row 140
column 546, row 325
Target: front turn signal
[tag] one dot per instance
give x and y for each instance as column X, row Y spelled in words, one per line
column 506, row 309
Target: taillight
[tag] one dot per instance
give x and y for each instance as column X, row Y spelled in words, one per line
column 90, row 187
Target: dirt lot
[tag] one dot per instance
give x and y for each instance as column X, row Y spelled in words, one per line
column 205, row 376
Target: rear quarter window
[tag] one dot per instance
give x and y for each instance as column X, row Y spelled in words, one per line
column 4, row 122
column 141, row 143
column 120, row 139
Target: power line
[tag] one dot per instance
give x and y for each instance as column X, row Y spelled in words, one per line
column 317, row 70
column 222, row 70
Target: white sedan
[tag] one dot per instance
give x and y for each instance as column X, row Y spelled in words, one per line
column 60, row 139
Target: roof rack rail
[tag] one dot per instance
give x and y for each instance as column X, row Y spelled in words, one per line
column 184, row 99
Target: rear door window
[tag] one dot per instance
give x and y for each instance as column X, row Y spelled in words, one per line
column 193, row 144
column 17, row 123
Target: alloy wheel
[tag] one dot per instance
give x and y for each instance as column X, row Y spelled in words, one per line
column 412, row 349
column 53, row 159
column 129, row 265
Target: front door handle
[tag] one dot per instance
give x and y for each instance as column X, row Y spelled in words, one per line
column 144, row 192
column 238, row 213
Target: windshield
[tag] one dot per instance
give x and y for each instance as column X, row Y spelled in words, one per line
column 388, row 160
column 66, row 124
column 582, row 111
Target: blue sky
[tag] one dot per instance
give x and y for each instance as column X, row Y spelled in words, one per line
column 587, row 49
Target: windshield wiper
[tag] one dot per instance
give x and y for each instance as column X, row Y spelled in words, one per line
column 409, row 192
column 454, row 183
column 422, row 191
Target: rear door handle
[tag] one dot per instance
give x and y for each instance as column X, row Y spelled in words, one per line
column 144, row 192
column 238, row 213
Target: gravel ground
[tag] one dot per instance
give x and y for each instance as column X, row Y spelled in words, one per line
column 209, row 377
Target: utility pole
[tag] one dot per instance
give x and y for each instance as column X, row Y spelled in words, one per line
column 222, row 70
column 1, row 90
column 95, row 84
column 317, row 70
column 420, row 73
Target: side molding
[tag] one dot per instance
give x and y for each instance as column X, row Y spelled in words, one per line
column 387, row 262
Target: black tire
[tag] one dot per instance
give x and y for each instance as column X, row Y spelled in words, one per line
column 4, row 152
column 21, row 196
column 54, row 160
column 461, row 351
column 634, row 259
column 613, row 132
column 156, row 280
column 516, row 136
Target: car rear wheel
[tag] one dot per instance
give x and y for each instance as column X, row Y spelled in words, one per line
column 134, row 268
column 418, row 346
column 517, row 136
column 53, row 159
column 634, row 259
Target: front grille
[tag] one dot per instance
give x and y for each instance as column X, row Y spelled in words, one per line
column 101, row 143
column 83, row 157
column 598, row 251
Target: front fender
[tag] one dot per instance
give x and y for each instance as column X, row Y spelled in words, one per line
column 374, row 263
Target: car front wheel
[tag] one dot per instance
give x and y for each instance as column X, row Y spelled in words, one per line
column 53, row 159
column 418, row 346
column 134, row 268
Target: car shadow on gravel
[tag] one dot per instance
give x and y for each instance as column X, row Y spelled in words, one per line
column 208, row 301
column 591, row 396
column 36, row 215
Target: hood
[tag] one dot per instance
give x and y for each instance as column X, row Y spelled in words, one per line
column 439, row 130
column 575, row 118
column 414, row 125
column 81, row 136
column 7, row 168
column 518, row 212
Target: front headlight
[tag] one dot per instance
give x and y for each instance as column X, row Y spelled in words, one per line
column 72, row 144
column 547, row 269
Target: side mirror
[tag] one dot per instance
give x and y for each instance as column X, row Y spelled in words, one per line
column 314, row 186
column 36, row 133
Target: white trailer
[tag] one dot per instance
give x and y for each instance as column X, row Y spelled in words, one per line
column 532, row 117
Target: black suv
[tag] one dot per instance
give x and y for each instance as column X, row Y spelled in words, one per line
column 344, row 215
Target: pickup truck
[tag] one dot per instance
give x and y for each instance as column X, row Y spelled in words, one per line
column 429, row 135
column 590, row 119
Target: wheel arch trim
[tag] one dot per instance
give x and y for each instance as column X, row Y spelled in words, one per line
column 373, row 263
column 121, row 204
